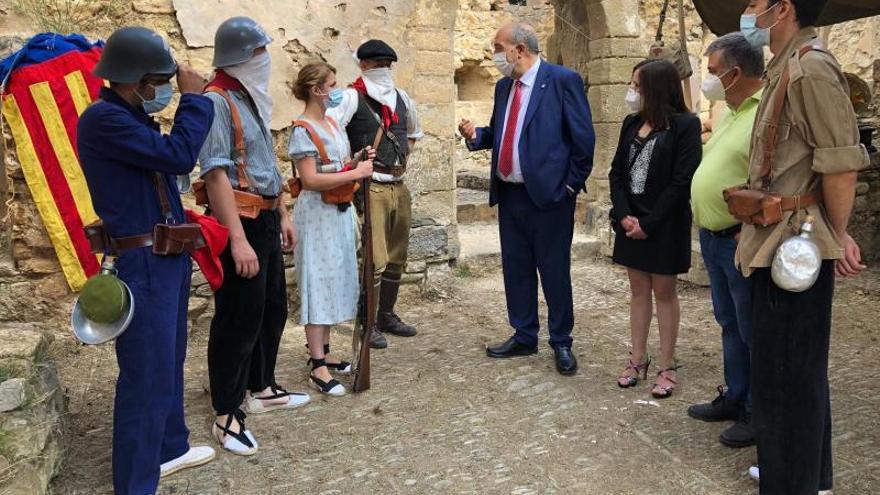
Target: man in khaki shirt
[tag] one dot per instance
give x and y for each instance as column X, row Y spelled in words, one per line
column 818, row 150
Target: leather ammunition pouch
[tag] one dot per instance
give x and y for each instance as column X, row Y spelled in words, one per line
column 755, row 207
column 295, row 186
column 177, row 239
column 343, row 194
column 248, row 204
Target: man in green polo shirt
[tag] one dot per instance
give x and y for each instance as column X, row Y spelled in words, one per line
column 735, row 76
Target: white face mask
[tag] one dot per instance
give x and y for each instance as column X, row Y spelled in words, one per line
column 254, row 76
column 634, row 100
column 713, row 88
column 380, row 86
column 502, row 64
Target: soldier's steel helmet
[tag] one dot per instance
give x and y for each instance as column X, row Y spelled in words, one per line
column 236, row 39
column 133, row 52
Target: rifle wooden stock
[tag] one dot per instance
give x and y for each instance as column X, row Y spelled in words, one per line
column 367, row 312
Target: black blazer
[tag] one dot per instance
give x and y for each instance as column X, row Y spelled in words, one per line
column 676, row 157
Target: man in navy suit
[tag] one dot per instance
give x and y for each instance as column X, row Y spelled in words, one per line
column 542, row 141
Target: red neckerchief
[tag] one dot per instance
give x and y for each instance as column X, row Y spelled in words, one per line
column 388, row 116
column 223, row 80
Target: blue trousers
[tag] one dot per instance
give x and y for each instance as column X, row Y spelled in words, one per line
column 149, row 427
column 536, row 241
column 732, row 302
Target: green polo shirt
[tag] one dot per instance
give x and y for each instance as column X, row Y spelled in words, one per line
column 725, row 164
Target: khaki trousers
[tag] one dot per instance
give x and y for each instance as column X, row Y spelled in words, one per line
column 391, row 216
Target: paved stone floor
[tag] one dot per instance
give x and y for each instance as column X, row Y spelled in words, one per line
column 443, row 418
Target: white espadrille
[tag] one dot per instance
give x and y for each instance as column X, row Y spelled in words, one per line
column 195, row 456
column 254, row 405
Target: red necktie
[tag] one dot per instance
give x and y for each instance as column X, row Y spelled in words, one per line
column 505, row 161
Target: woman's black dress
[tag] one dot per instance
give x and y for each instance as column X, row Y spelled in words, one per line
column 650, row 179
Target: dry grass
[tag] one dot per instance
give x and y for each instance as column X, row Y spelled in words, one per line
column 69, row 16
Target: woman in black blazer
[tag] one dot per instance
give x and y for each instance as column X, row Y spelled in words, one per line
column 650, row 179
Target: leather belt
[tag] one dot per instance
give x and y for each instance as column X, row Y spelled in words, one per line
column 120, row 244
column 728, row 232
column 794, row 203
column 394, row 170
column 270, row 203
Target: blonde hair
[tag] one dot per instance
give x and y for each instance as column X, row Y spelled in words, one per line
column 312, row 74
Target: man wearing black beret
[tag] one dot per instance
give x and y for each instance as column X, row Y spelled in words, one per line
column 376, row 113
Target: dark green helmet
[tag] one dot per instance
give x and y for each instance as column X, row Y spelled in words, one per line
column 236, row 39
column 133, row 52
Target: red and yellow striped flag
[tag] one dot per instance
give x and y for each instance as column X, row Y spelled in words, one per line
column 42, row 104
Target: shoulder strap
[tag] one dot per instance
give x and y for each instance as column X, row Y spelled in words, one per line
column 682, row 30
column 238, row 133
column 773, row 127
column 381, row 131
column 161, row 189
column 659, row 36
column 322, row 151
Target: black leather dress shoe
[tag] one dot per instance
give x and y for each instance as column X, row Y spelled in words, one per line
column 740, row 435
column 510, row 348
column 717, row 410
column 566, row 363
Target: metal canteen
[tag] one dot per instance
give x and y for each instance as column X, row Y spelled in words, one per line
column 90, row 332
column 798, row 261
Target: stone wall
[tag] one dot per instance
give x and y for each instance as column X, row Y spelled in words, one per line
column 32, row 287
column 475, row 75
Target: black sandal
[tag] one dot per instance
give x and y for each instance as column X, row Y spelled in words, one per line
column 342, row 367
column 241, row 442
column 333, row 387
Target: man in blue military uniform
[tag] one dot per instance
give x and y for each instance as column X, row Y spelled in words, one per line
column 130, row 167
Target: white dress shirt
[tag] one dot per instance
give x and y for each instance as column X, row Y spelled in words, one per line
column 528, row 83
column 346, row 110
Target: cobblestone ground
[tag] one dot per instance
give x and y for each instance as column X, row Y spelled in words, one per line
column 443, row 418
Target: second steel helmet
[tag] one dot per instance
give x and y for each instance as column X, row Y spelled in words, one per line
column 133, row 52
column 236, row 39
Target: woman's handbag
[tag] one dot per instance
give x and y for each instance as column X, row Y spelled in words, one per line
column 675, row 53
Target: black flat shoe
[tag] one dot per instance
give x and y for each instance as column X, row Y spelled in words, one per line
column 510, row 348
column 566, row 363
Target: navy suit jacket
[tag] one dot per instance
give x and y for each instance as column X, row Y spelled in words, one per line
column 557, row 140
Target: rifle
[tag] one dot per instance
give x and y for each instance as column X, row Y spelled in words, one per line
column 366, row 302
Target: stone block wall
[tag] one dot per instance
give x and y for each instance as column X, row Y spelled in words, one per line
column 32, row 406
column 32, row 287
column 475, row 75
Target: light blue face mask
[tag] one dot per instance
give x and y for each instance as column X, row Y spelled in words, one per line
column 164, row 92
column 334, row 98
column 748, row 25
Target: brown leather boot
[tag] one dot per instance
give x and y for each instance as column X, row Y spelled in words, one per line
column 377, row 340
column 386, row 320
